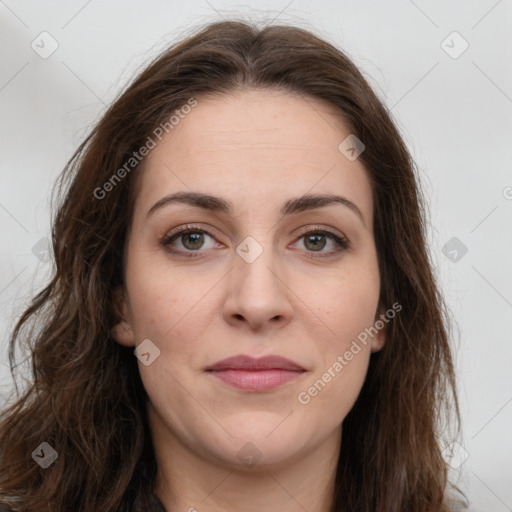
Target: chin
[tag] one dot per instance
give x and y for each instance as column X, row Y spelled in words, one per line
column 254, row 457
column 263, row 447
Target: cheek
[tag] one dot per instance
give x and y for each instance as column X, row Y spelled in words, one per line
column 166, row 306
column 349, row 313
column 346, row 305
column 332, row 394
column 347, row 308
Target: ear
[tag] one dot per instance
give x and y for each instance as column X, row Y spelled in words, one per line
column 381, row 324
column 122, row 332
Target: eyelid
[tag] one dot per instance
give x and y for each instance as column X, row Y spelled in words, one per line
column 302, row 231
column 188, row 227
column 318, row 227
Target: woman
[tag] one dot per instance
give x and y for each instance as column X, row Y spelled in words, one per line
column 243, row 314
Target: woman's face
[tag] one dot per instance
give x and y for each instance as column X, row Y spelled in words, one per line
column 258, row 274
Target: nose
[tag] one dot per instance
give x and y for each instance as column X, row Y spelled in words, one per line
column 258, row 295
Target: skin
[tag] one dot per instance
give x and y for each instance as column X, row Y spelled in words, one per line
column 256, row 149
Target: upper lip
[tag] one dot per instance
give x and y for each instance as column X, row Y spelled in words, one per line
column 243, row 362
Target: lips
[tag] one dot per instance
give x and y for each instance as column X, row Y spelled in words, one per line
column 251, row 363
column 251, row 374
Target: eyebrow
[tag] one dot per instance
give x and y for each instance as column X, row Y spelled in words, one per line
column 220, row 205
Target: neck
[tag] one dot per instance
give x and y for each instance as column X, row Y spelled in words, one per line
column 188, row 482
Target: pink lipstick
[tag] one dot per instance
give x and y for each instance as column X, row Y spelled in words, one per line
column 250, row 374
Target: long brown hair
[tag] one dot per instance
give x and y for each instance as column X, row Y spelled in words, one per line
column 86, row 398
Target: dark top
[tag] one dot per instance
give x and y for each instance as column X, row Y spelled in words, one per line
column 156, row 505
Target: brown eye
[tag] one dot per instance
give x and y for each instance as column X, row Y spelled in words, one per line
column 315, row 242
column 189, row 242
column 192, row 240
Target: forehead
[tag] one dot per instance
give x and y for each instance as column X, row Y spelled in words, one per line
column 247, row 121
column 256, row 148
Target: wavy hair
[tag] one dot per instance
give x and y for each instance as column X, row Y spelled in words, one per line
column 85, row 397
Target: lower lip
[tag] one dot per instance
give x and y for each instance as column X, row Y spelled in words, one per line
column 256, row 380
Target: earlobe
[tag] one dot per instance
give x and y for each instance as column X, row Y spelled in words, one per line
column 122, row 332
column 379, row 340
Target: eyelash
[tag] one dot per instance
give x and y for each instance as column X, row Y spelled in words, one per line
column 342, row 242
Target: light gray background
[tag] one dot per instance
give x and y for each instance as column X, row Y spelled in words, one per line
column 455, row 114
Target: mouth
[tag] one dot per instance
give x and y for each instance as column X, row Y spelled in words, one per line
column 257, row 375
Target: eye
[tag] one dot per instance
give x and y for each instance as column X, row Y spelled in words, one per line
column 191, row 238
column 318, row 239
